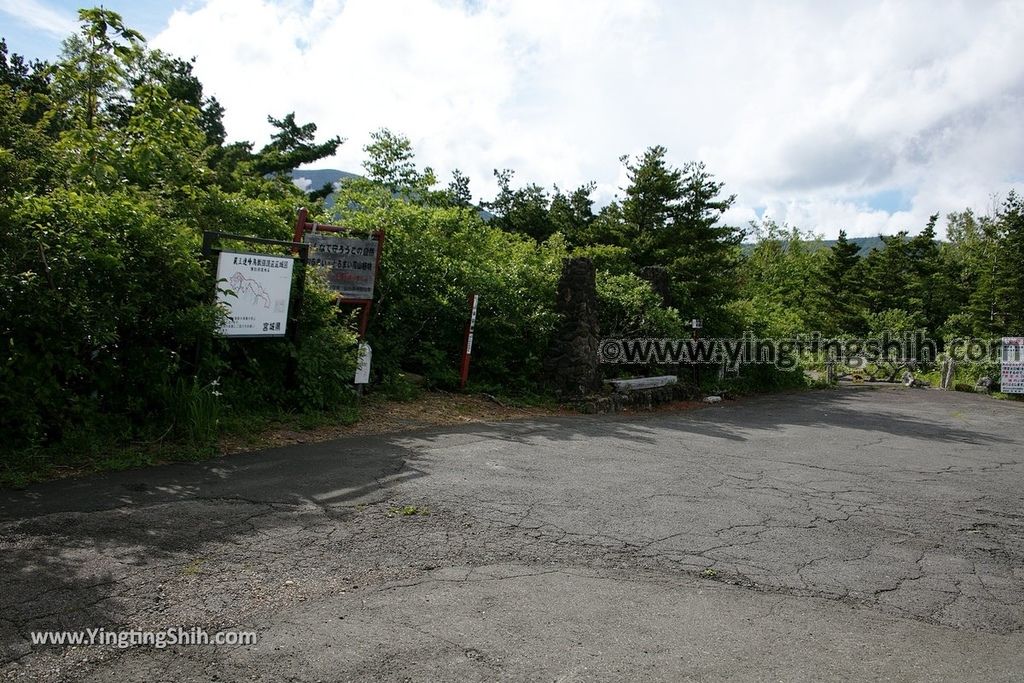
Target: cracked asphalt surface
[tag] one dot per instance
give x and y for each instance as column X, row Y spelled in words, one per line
column 854, row 534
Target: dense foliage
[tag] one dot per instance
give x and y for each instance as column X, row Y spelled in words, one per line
column 113, row 161
column 112, row 164
column 968, row 286
column 439, row 249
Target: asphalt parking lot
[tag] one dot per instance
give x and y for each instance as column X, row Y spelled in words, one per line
column 854, row 533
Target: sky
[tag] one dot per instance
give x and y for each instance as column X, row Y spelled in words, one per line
column 867, row 116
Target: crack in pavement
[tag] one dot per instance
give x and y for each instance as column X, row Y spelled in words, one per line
column 872, row 527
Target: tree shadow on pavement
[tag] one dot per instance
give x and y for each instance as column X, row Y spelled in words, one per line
column 69, row 549
column 78, row 553
column 748, row 420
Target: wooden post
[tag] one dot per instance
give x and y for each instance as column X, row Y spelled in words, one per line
column 696, row 324
column 300, row 225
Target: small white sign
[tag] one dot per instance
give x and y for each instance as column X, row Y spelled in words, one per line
column 255, row 289
column 1012, row 376
column 363, row 364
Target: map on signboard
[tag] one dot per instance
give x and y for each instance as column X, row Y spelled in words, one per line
column 255, row 289
column 1012, row 357
column 350, row 265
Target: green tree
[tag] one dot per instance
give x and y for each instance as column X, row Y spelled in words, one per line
column 28, row 125
column 106, row 179
column 1008, row 280
column 573, row 215
column 971, row 270
column 31, row 78
column 153, row 67
column 673, row 217
column 782, row 286
column 842, row 283
column 458, row 189
column 521, row 210
column 653, row 198
column 392, row 163
column 890, row 278
column 701, row 251
column 938, row 297
column 92, row 70
column 292, row 145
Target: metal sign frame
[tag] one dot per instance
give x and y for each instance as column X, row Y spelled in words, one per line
column 303, row 225
column 212, row 237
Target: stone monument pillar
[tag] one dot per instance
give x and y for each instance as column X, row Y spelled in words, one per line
column 573, row 359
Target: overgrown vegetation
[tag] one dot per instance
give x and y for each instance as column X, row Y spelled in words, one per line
column 113, row 161
column 968, row 286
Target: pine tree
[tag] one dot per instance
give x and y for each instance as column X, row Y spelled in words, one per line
column 1008, row 284
column 702, row 253
column 523, row 210
column 458, row 189
column 932, row 287
column 572, row 214
column 969, row 268
column 653, row 196
column 842, row 271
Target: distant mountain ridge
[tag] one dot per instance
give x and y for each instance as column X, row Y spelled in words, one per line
column 314, row 179
column 866, row 244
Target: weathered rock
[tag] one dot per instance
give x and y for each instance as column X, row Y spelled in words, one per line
column 635, row 399
column 573, row 359
column 910, row 381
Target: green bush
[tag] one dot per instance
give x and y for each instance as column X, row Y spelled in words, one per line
column 630, row 308
column 194, row 411
column 432, row 260
column 754, row 379
column 612, row 259
column 108, row 323
column 101, row 300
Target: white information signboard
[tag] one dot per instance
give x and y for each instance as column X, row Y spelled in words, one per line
column 255, row 288
column 1012, row 379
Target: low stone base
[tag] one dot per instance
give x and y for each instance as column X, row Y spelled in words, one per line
column 635, row 399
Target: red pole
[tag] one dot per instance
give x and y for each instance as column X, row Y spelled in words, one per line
column 467, row 345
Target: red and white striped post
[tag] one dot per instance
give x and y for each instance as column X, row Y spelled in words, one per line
column 467, row 345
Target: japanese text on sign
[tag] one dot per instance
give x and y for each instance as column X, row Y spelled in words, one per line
column 1012, row 379
column 350, row 264
column 255, row 289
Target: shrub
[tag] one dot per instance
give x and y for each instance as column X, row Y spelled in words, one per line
column 101, row 299
column 432, row 259
column 630, row 308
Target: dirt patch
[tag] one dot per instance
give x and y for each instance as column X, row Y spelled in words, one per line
column 431, row 409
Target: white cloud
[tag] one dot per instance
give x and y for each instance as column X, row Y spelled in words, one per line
column 805, row 109
column 39, row 16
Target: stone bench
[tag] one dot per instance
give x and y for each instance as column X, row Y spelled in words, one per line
column 623, row 386
column 638, row 393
